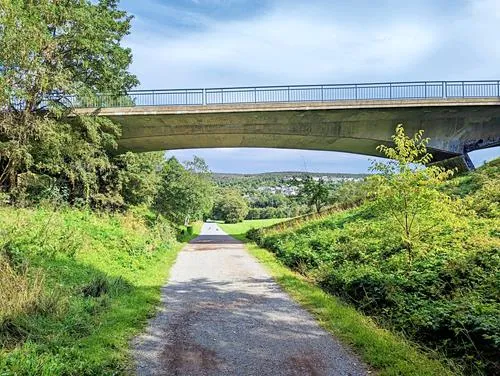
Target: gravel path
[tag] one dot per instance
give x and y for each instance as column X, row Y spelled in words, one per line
column 222, row 314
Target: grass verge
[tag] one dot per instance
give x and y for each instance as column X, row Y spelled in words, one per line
column 239, row 230
column 187, row 237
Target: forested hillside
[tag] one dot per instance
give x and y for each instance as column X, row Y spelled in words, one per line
column 273, row 179
column 438, row 284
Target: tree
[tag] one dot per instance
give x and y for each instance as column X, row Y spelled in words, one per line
column 139, row 176
column 182, row 194
column 315, row 193
column 231, row 207
column 407, row 189
column 198, row 166
column 53, row 53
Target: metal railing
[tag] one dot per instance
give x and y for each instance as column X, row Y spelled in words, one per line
column 299, row 93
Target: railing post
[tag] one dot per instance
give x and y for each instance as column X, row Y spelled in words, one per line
column 463, row 90
column 255, row 95
column 425, row 89
column 222, row 95
column 390, row 90
column 444, row 90
column 288, row 94
column 356, row 91
column 322, row 96
column 498, row 89
column 153, row 98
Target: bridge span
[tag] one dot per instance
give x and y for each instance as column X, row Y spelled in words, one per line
column 459, row 117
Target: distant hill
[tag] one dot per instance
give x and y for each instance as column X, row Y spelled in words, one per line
column 276, row 182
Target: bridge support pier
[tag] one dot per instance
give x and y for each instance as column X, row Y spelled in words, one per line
column 462, row 163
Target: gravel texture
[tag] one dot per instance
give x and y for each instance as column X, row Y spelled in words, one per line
column 222, row 314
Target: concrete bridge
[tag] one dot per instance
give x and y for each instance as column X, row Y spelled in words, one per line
column 459, row 117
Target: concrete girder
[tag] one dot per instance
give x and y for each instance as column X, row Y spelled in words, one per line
column 455, row 126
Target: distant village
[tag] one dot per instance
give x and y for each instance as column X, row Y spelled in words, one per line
column 292, row 190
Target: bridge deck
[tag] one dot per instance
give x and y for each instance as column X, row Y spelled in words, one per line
column 289, row 106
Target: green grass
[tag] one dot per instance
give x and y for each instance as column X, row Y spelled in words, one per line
column 388, row 353
column 239, row 230
column 104, row 274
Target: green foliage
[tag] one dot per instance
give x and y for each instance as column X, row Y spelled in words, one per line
column 315, row 192
column 447, row 298
column 85, row 285
column 230, row 207
column 138, row 176
column 275, row 194
column 480, row 189
column 183, row 194
column 51, row 53
column 407, row 189
column 351, row 193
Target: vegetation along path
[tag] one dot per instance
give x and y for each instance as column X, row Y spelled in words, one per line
column 222, row 314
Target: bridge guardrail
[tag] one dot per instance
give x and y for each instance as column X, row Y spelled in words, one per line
column 298, row 93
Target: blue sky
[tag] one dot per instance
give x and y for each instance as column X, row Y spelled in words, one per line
column 215, row 43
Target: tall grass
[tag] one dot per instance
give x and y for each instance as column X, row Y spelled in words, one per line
column 20, row 293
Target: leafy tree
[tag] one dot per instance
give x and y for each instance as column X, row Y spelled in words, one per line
column 182, row 194
column 53, row 53
column 407, row 189
column 231, row 207
column 315, row 193
column 198, row 166
column 139, row 176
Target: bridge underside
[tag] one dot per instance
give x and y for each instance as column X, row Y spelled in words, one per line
column 454, row 128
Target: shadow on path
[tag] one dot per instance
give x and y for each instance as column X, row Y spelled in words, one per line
column 222, row 314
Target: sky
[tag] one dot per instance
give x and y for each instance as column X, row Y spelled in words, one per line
column 223, row 43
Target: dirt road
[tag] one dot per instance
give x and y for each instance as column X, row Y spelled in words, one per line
column 222, row 314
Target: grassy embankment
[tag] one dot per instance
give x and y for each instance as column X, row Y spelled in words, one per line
column 76, row 287
column 350, row 273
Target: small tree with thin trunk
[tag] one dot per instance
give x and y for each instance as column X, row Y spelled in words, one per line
column 315, row 193
column 407, row 188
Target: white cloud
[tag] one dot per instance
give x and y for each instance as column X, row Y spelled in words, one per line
column 285, row 46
